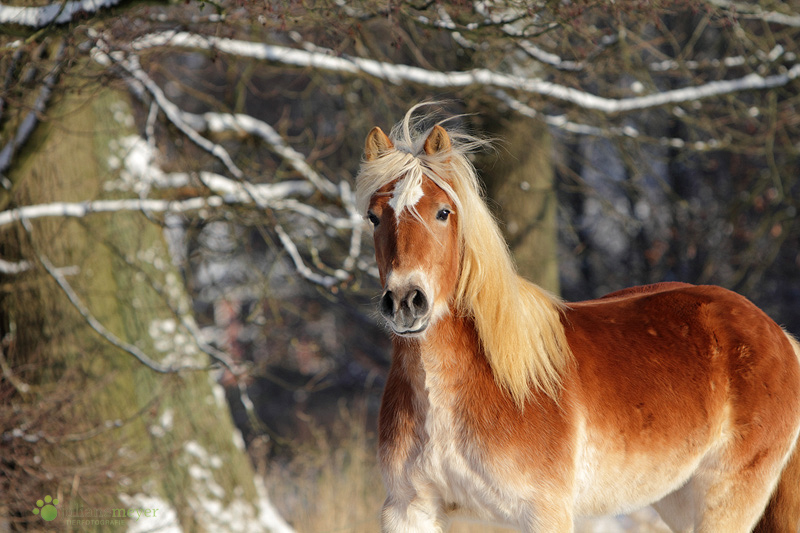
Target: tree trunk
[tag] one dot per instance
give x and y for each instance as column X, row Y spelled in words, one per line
column 83, row 421
column 520, row 181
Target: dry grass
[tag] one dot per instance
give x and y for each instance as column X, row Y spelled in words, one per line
column 332, row 485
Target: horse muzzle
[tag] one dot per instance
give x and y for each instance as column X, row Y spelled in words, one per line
column 406, row 309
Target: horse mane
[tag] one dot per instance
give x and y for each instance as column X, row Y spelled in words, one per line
column 518, row 323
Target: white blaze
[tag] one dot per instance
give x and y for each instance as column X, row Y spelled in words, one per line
column 406, row 193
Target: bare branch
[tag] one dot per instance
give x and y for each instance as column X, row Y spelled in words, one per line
column 395, row 73
column 302, row 268
column 12, row 68
column 8, row 373
column 31, row 120
column 755, row 11
column 7, row 267
column 561, row 122
column 55, row 13
column 187, row 321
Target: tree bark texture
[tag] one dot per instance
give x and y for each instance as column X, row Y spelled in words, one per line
column 83, row 421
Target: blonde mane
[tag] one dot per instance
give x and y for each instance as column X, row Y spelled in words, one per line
column 518, row 323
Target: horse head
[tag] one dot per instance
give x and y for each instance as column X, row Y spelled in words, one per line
column 415, row 224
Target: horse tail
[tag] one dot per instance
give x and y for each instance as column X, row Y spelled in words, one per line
column 782, row 514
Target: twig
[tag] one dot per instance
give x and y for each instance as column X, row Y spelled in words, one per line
column 302, row 268
column 9, row 374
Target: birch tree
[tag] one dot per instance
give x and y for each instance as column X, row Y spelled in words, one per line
column 207, row 150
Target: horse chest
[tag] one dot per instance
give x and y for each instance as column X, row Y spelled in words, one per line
column 443, row 454
column 448, row 461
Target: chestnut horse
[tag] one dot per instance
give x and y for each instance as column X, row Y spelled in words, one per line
column 504, row 404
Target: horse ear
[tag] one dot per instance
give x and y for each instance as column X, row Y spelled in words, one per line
column 437, row 141
column 376, row 144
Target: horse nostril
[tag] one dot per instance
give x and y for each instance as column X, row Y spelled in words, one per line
column 387, row 304
column 418, row 303
column 406, row 307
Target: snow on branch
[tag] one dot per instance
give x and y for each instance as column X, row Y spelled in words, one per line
column 405, row 73
column 83, row 209
column 31, row 120
column 140, row 173
column 561, row 122
column 273, row 196
column 193, row 124
column 302, row 268
column 55, row 13
column 755, row 11
column 219, row 122
column 7, row 267
column 175, row 115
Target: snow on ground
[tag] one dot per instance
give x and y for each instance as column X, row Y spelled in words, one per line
column 642, row 521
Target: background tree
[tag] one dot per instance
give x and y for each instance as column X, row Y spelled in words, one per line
column 666, row 135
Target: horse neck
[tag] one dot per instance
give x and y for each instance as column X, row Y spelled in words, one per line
column 447, row 354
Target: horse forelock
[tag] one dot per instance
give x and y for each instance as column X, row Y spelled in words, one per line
column 409, row 162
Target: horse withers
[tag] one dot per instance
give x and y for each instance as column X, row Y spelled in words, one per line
column 507, row 405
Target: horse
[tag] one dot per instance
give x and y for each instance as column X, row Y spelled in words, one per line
column 507, row 405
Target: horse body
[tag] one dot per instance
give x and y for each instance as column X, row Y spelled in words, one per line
column 689, row 395
column 658, row 405
column 504, row 404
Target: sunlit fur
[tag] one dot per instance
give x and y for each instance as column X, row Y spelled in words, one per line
column 683, row 397
column 519, row 324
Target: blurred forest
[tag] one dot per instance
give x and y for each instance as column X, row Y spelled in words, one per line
column 187, row 292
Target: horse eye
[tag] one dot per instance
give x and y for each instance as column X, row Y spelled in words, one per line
column 372, row 217
column 443, row 214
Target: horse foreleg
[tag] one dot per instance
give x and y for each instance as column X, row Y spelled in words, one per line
column 548, row 518
column 734, row 504
column 414, row 515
